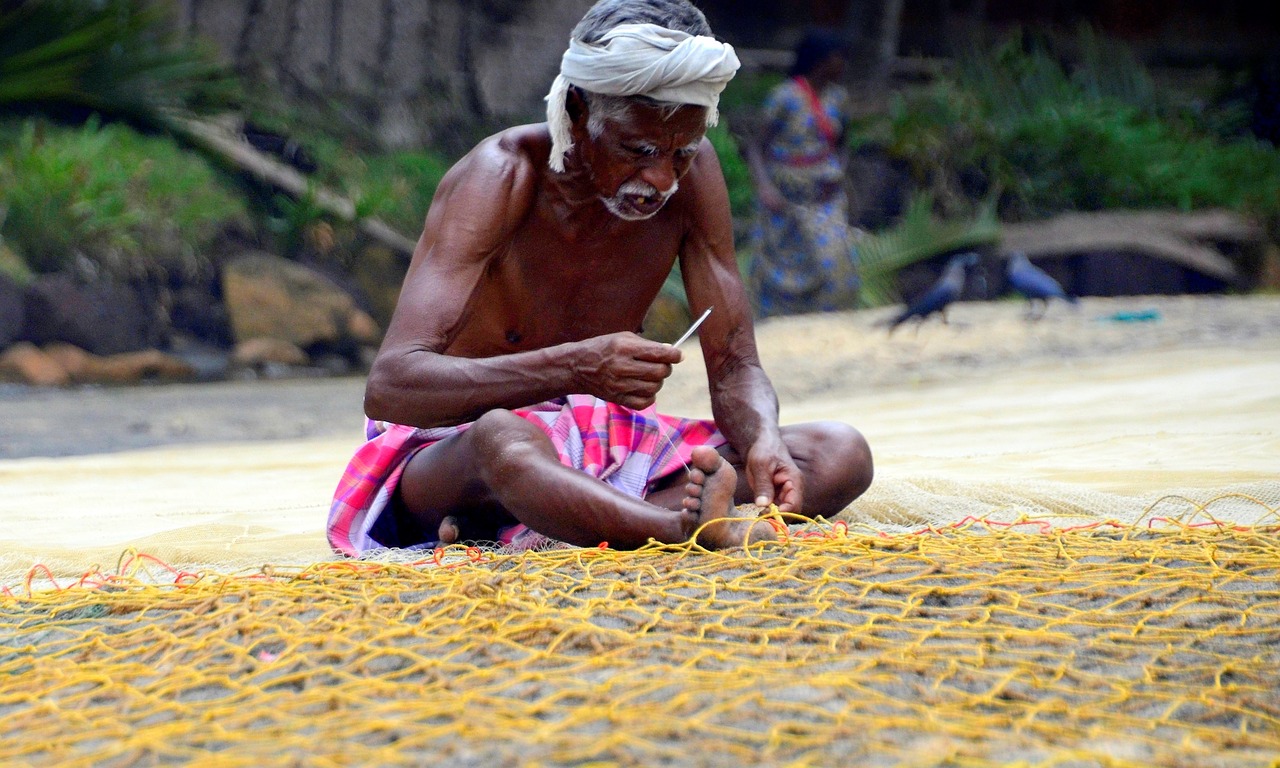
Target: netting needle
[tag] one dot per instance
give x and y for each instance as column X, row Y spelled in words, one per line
column 670, row 443
column 692, row 328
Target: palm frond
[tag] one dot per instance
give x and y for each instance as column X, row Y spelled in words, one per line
column 116, row 57
column 917, row 236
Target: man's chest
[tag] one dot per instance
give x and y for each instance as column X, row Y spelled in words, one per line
column 551, row 291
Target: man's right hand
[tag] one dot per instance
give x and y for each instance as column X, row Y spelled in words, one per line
column 623, row 368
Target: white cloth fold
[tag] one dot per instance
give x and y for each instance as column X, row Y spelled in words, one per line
column 640, row 60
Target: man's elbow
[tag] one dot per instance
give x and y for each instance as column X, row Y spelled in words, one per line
column 400, row 393
column 378, row 399
column 385, row 390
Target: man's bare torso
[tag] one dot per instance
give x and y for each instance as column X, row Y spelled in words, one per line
column 568, row 271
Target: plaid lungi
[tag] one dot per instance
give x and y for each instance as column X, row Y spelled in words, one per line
column 628, row 449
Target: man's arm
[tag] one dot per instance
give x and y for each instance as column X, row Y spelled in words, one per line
column 743, row 401
column 478, row 206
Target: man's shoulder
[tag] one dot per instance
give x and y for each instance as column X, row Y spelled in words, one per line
column 505, row 166
column 523, row 146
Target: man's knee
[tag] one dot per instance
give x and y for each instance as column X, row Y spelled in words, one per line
column 861, row 465
column 503, row 441
column 839, row 460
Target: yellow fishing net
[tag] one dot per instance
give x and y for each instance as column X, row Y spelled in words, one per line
column 981, row 643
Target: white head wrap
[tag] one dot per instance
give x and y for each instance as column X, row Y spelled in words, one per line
column 640, row 60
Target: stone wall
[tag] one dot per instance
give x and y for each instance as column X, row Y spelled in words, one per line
column 407, row 68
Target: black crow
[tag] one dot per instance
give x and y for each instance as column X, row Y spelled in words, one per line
column 940, row 295
column 1034, row 283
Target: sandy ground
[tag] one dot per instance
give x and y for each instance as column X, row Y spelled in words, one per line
column 1100, row 410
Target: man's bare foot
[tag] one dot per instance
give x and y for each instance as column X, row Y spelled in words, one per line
column 709, row 493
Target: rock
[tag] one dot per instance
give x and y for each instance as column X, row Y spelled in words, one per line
column 378, row 272
column 134, row 367
column 103, row 317
column 363, row 329
column 270, row 297
column 198, row 312
column 1269, row 274
column 257, row 352
column 26, row 363
column 209, row 361
column 123, row 368
column 12, row 311
column 74, row 360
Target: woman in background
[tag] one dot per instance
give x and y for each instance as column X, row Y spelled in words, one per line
column 804, row 256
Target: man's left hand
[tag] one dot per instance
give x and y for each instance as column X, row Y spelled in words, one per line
column 773, row 475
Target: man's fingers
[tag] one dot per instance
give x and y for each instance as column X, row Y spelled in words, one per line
column 642, row 387
column 637, row 403
column 659, row 353
column 788, row 497
column 760, row 478
column 639, row 386
column 764, row 490
column 791, row 497
column 637, row 373
column 656, row 371
column 638, row 395
column 779, row 487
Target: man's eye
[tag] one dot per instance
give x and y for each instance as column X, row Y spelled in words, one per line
column 641, row 151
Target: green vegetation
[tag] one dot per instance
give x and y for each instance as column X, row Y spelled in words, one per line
column 11, row 266
column 75, row 182
column 398, row 187
column 917, row 236
column 734, row 167
column 1047, row 137
column 128, row 203
column 117, row 58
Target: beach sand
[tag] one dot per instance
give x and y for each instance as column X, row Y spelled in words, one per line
column 1098, row 410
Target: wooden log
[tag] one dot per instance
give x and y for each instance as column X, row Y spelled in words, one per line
column 1186, row 239
column 266, row 169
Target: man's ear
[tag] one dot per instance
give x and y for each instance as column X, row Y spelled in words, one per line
column 576, row 105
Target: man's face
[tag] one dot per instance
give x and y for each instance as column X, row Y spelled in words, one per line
column 639, row 157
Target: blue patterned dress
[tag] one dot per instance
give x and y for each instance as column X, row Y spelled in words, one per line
column 804, row 258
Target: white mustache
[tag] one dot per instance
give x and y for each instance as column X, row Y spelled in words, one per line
column 641, row 189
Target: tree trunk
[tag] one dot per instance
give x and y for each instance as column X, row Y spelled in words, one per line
column 887, row 40
column 267, row 170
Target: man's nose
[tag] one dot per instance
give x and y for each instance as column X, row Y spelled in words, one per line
column 660, row 174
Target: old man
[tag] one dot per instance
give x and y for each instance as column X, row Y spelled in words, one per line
column 512, row 399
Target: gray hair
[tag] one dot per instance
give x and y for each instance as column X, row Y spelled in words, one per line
column 603, row 107
column 680, row 15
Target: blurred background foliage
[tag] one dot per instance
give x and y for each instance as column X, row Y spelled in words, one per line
column 1014, row 120
column 125, row 201
column 119, row 58
column 1012, row 129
